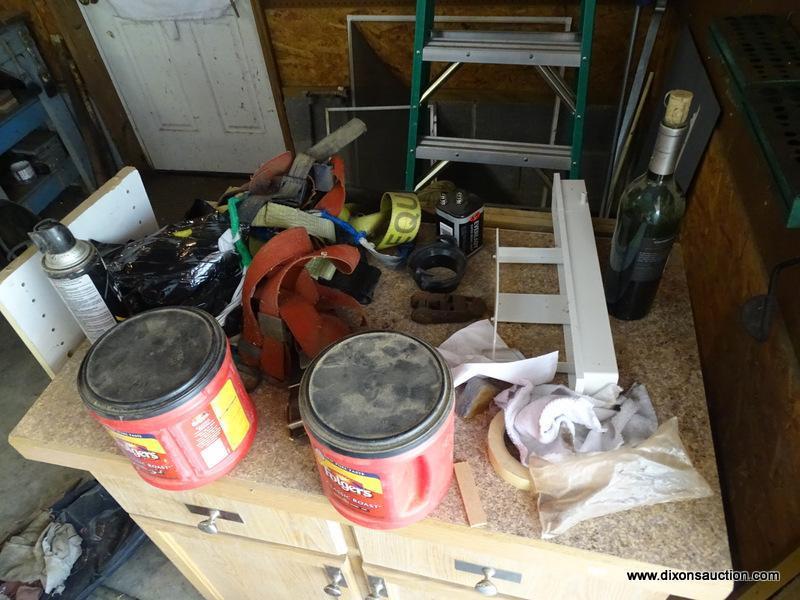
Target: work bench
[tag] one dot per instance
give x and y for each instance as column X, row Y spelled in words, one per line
column 278, row 537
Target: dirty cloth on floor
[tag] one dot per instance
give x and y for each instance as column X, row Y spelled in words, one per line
column 175, row 10
column 43, row 552
column 61, row 547
column 18, row 559
column 552, row 421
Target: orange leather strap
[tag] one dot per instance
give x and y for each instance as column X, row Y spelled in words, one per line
column 286, row 293
column 261, row 180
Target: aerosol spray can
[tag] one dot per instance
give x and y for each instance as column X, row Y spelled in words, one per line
column 460, row 214
column 76, row 271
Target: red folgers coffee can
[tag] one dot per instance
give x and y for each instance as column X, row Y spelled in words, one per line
column 164, row 385
column 378, row 409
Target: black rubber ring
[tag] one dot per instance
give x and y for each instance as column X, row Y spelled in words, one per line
column 443, row 252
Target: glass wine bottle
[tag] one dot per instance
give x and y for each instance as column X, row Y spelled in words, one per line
column 648, row 218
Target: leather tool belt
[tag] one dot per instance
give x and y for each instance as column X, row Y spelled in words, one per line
column 284, row 309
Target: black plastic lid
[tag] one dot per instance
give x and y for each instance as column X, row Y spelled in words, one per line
column 376, row 394
column 151, row 363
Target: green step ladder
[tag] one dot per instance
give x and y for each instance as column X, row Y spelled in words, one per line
column 547, row 52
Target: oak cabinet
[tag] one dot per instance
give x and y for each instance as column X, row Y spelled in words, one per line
column 227, row 567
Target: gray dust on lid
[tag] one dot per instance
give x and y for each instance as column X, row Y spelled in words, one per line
column 145, row 358
column 376, row 385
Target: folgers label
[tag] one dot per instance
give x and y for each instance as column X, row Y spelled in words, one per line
column 164, row 386
column 378, row 410
column 145, row 452
column 362, row 491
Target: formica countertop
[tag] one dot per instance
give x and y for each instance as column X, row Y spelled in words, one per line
column 659, row 351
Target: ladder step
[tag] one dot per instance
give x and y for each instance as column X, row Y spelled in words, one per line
column 555, row 49
column 493, row 152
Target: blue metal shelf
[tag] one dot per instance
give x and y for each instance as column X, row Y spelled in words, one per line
column 15, row 126
column 46, row 188
column 19, row 58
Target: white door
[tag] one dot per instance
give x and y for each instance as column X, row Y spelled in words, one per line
column 196, row 91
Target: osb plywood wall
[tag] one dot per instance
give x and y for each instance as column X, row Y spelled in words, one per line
column 310, row 44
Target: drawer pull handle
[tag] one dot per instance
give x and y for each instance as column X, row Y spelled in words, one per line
column 377, row 588
column 337, row 580
column 486, row 586
column 209, row 525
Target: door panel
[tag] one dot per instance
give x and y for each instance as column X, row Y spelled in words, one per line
column 236, row 105
column 159, row 90
column 225, row 567
column 196, row 91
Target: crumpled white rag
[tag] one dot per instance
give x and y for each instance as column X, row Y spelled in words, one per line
column 43, row 552
column 537, row 417
column 61, row 547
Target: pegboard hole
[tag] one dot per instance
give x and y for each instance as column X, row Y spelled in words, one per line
column 33, row 300
column 43, row 315
column 52, row 330
column 22, row 284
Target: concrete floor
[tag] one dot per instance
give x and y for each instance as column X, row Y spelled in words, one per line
column 27, row 486
column 148, row 575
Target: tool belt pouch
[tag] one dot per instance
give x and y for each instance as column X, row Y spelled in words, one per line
column 286, row 311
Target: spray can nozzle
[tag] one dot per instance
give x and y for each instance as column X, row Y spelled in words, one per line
column 52, row 237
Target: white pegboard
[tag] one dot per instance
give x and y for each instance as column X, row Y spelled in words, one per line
column 117, row 212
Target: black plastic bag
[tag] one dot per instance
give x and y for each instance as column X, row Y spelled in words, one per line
column 180, row 265
column 109, row 537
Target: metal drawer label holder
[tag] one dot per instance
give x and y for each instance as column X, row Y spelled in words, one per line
column 467, row 567
column 221, row 514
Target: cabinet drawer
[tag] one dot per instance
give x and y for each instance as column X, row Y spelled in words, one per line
column 402, row 586
column 225, row 567
column 521, row 570
column 238, row 516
